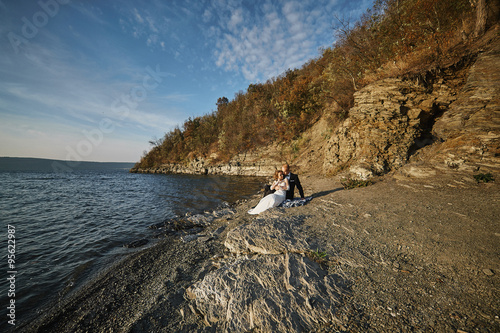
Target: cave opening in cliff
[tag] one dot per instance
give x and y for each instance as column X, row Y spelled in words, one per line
column 427, row 121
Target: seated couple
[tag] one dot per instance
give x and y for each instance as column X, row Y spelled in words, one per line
column 281, row 189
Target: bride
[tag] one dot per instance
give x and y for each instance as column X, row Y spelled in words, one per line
column 280, row 185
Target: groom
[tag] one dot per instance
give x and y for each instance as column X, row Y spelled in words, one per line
column 293, row 180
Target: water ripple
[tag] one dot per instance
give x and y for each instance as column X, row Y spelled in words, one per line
column 70, row 225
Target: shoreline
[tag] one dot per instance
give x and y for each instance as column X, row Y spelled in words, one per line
column 412, row 255
column 126, row 226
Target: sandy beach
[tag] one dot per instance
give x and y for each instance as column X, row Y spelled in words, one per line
column 415, row 255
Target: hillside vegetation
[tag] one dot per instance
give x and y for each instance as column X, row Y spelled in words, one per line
column 392, row 39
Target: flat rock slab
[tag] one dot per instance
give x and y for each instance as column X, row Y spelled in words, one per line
column 273, row 293
column 268, row 236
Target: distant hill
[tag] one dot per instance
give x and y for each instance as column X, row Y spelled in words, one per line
column 48, row 165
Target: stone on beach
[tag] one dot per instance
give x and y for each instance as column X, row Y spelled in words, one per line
column 280, row 289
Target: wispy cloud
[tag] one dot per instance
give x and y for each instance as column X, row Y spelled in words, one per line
column 146, row 25
column 48, row 100
column 67, row 76
column 258, row 39
column 265, row 42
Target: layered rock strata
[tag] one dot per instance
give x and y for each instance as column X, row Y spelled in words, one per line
column 444, row 125
column 241, row 165
column 470, row 131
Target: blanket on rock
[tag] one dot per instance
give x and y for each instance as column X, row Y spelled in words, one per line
column 295, row 202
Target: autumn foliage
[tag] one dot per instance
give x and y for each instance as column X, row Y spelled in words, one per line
column 394, row 37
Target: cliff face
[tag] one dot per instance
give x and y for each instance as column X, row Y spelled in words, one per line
column 251, row 164
column 450, row 122
column 470, row 130
column 388, row 120
column 392, row 119
column 447, row 120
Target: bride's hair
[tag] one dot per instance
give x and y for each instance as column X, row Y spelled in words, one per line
column 276, row 174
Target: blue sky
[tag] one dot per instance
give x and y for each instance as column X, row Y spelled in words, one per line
column 97, row 80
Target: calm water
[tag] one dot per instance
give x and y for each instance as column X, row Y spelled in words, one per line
column 68, row 226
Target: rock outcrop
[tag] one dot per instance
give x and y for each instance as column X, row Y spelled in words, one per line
column 251, row 164
column 267, row 237
column 469, row 132
column 274, row 287
column 446, row 124
column 381, row 129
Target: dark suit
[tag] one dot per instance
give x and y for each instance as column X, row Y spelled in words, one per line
column 294, row 181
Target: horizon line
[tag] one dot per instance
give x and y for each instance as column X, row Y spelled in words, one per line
column 60, row 160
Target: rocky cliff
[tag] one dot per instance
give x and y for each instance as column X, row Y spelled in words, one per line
column 248, row 164
column 445, row 119
column 451, row 122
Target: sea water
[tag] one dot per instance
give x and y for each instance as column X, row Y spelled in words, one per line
column 59, row 229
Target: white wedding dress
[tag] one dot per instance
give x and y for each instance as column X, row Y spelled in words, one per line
column 271, row 200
